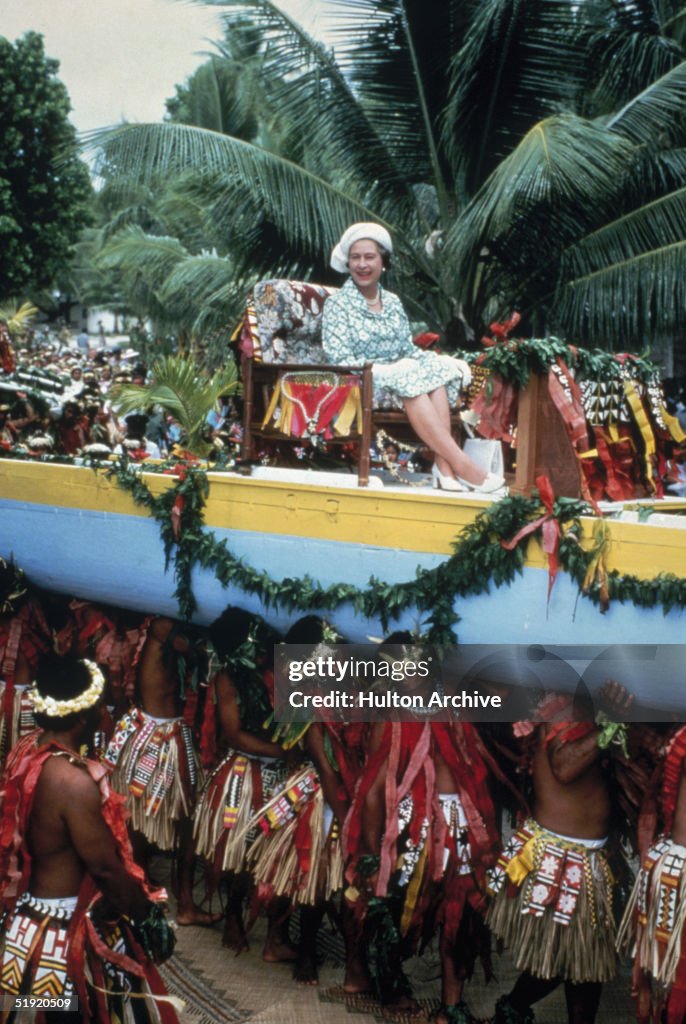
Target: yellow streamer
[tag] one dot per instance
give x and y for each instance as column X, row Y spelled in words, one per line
column 273, row 403
column 673, row 426
column 636, row 406
column 596, row 573
column 523, row 864
column 413, row 893
column 350, row 413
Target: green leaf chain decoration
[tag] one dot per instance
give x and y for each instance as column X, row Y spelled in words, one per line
column 516, row 358
column 478, row 560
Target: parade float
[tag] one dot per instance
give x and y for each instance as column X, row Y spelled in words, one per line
column 586, row 548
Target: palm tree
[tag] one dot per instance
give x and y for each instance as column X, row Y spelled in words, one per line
column 183, row 252
column 181, row 391
column 544, row 176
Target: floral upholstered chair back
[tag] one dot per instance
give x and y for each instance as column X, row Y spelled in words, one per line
column 283, row 324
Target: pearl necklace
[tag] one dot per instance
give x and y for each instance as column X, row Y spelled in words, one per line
column 376, row 301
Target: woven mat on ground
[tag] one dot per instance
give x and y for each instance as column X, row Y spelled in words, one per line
column 205, row 1002
column 221, row 988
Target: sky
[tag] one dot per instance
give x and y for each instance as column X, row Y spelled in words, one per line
column 122, row 58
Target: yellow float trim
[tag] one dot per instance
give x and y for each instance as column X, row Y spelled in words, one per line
column 357, row 516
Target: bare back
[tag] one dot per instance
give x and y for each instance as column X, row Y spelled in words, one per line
column 157, row 680
column 69, row 838
column 445, row 780
column 56, row 869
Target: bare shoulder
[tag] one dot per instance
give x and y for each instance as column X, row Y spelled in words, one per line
column 67, row 780
column 224, row 686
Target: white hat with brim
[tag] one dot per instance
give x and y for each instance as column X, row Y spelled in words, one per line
column 366, row 229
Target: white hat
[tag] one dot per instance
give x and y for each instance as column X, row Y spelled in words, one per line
column 366, row 229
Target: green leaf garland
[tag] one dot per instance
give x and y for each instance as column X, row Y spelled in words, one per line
column 514, row 359
column 478, row 560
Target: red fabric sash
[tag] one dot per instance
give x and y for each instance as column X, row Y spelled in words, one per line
column 550, row 530
column 496, row 407
column 568, row 732
column 332, row 398
column 24, row 767
column 116, row 652
column 347, row 742
column 674, row 761
column 409, row 749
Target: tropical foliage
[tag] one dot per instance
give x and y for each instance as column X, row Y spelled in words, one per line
column 181, row 391
column 18, row 318
column 523, row 153
column 44, row 187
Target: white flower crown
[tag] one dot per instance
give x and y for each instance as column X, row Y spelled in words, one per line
column 61, row 708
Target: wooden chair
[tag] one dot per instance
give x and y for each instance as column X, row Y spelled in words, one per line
column 280, row 339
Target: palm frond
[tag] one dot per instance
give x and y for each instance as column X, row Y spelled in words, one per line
column 223, row 308
column 142, row 263
column 629, row 302
column 193, row 283
column 651, row 227
column 152, row 256
column 502, row 79
column 196, row 276
column 18, row 317
column 672, row 18
column 629, row 60
column 396, row 54
column 305, row 206
column 657, row 112
column 563, row 174
column 654, row 173
column 303, row 82
column 178, row 388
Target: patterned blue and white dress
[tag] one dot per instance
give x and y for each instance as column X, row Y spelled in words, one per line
column 352, row 335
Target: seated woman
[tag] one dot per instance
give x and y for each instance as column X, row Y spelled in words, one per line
column 363, row 322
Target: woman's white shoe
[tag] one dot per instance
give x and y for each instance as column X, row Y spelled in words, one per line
column 445, row 483
column 490, row 485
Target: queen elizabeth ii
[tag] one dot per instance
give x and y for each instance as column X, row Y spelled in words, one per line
column 362, row 322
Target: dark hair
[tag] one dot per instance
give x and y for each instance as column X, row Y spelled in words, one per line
column 233, row 627
column 400, row 636
column 55, row 609
column 63, row 678
column 308, row 630
column 136, row 425
column 13, row 586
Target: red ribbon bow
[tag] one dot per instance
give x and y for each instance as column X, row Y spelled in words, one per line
column 426, row 339
column 500, row 331
column 550, row 530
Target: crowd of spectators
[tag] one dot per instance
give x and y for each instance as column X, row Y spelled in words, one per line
column 59, row 398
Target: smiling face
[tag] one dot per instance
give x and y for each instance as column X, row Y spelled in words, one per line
column 365, row 264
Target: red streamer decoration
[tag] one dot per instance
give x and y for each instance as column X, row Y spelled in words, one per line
column 550, row 530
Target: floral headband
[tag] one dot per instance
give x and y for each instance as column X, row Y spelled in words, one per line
column 60, row 708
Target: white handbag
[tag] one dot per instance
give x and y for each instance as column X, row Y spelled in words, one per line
column 486, row 454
